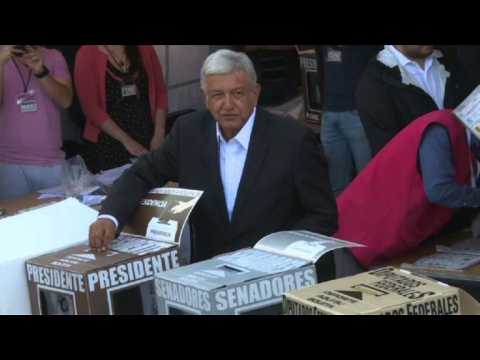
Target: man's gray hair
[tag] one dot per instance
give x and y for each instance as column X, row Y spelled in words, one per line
column 224, row 62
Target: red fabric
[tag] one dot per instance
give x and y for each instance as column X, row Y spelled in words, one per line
column 90, row 73
column 386, row 207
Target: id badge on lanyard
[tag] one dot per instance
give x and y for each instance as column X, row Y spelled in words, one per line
column 27, row 102
column 128, row 85
column 129, row 90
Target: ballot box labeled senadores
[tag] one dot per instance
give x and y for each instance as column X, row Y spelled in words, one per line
column 246, row 282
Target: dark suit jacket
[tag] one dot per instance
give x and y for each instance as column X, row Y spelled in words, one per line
column 284, row 185
column 386, row 105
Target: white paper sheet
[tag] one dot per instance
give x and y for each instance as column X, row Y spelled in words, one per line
column 469, row 112
column 304, row 245
column 31, row 234
column 60, row 191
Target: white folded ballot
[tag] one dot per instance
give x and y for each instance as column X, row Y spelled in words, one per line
column 248, row 281
column 468, row 112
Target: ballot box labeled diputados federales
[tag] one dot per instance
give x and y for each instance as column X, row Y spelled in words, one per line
column 384, row 291
column 77, row 280
column 246, row 282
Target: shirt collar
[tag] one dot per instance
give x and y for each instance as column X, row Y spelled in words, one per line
column 404, row 61
column 244, row 135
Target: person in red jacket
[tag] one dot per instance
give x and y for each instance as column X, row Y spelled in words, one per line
column 124, row 98
column 412, row 189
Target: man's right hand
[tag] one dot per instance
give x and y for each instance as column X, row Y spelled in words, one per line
column 5, row 53
column 102, row 232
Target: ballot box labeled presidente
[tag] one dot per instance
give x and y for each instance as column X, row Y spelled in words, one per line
column 76, row 280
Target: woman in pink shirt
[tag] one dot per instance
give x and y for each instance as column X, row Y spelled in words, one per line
column 35, row 86
column 123, row 96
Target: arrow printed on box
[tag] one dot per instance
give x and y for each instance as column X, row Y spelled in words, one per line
column 90, row 257
column 370, row 290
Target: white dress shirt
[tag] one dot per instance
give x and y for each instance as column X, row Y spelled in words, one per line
column 428, row 79
column 232, row 157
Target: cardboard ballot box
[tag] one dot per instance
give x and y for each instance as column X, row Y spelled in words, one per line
column 386, row 291
column 248, row 281
column 79, row 281
column 30, row 234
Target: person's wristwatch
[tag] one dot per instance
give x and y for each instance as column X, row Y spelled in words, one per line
column 45, row 72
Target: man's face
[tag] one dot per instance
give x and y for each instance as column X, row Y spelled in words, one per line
column 231, row 99
column 417, row 51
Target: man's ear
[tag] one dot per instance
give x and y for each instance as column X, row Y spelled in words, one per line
column 205, row 98
column 257, row 91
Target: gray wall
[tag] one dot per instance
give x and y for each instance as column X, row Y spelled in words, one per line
column 181, row 66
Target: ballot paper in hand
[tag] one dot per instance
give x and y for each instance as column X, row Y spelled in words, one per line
column 468, row 112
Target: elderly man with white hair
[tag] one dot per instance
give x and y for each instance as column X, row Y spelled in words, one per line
column 260, row 173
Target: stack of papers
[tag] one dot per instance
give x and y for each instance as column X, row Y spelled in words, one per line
column 460, row 256
column 448, row 261
column 91, row 196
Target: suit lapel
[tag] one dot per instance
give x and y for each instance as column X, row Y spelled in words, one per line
column 210, row 158
column 253, row 163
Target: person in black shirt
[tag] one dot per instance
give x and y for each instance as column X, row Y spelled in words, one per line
column 343, row 137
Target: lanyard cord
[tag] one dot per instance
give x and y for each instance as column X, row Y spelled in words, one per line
column 127, row 80
column 120, row 64
column 27, row 83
